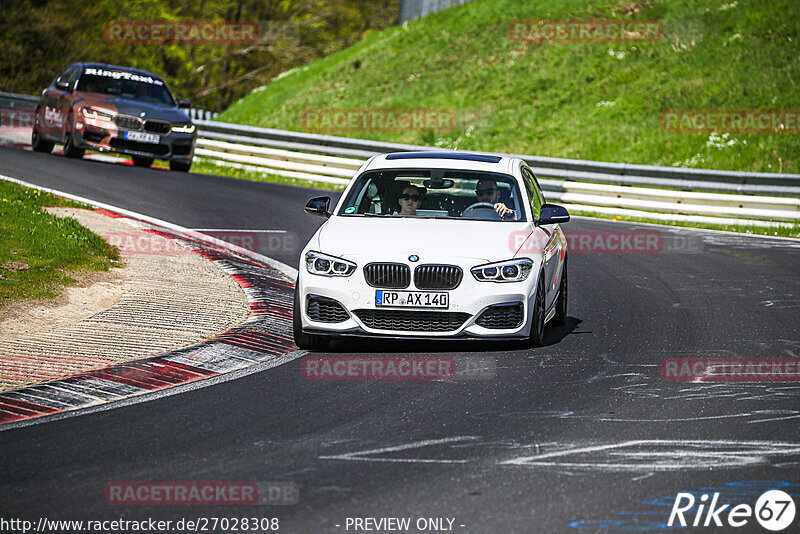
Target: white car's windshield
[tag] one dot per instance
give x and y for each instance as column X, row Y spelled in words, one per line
column 437, row 193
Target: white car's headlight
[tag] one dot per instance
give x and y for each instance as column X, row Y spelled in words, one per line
column 325, row 265
column 503, row 271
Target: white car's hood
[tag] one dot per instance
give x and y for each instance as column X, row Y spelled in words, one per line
column 433, row 240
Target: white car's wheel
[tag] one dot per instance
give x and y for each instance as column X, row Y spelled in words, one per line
column 560, row 318
column 537, row 320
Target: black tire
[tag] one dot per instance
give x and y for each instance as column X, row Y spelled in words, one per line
column 537, row 320
column 179, row 166
column 39, row 143
column 560, row 318
column 139, row 161
column 301, row 339
column 70, row 150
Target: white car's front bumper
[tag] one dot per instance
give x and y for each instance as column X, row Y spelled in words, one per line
column 471, row 298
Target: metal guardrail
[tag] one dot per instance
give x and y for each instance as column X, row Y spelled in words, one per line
column 11, row 100
column 197, row 114
column 338, row 170
column 571, row 169
column 644, row 191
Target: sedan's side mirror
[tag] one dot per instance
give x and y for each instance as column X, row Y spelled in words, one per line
column 319, row 206
column 64, row 86
column 184, row 103
column 552, row 214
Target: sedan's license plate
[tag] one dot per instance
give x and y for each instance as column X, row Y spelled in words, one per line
column 411, row 299
column 143, row 137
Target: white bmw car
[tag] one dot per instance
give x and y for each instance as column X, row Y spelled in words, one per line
column 434, row 245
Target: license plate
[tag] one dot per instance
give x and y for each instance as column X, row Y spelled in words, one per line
column 143, row 137
column 411, row 299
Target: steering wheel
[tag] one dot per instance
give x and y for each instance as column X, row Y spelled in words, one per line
column 467, row 213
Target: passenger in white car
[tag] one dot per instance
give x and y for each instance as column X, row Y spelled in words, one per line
column 410, row 200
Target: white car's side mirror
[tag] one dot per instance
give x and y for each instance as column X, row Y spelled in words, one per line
column 552, row 214
column 319, row 206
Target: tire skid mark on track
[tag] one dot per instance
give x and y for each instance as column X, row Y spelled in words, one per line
column 266, row 334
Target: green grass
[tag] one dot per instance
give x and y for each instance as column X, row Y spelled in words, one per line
column 554, row 99
column 54, row 248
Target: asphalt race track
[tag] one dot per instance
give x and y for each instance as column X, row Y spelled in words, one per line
column 581, row 434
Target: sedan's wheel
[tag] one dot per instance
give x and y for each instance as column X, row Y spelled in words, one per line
column 39, row 143
column 139, row 161
column 301, row 339
column 560, row 318
column 70, row 150
column 179, row 166
column 537, row 321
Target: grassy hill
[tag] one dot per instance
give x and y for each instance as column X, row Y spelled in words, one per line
column 601, row 101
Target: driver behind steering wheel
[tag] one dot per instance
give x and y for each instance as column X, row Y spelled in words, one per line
column 487, row 191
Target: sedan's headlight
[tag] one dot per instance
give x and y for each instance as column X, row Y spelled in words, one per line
column 185, row 128
column 503, row 271
column 91, row 113
column 325, row 265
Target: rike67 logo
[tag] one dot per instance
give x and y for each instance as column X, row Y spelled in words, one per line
column 774, row 510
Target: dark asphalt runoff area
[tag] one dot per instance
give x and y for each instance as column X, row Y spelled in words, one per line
column 582, row 434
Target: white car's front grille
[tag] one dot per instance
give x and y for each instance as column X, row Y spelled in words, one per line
column 412, row 321
column 387, row 275
column 438, row 276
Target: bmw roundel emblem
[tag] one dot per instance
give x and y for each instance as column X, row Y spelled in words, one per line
column 413, row 257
